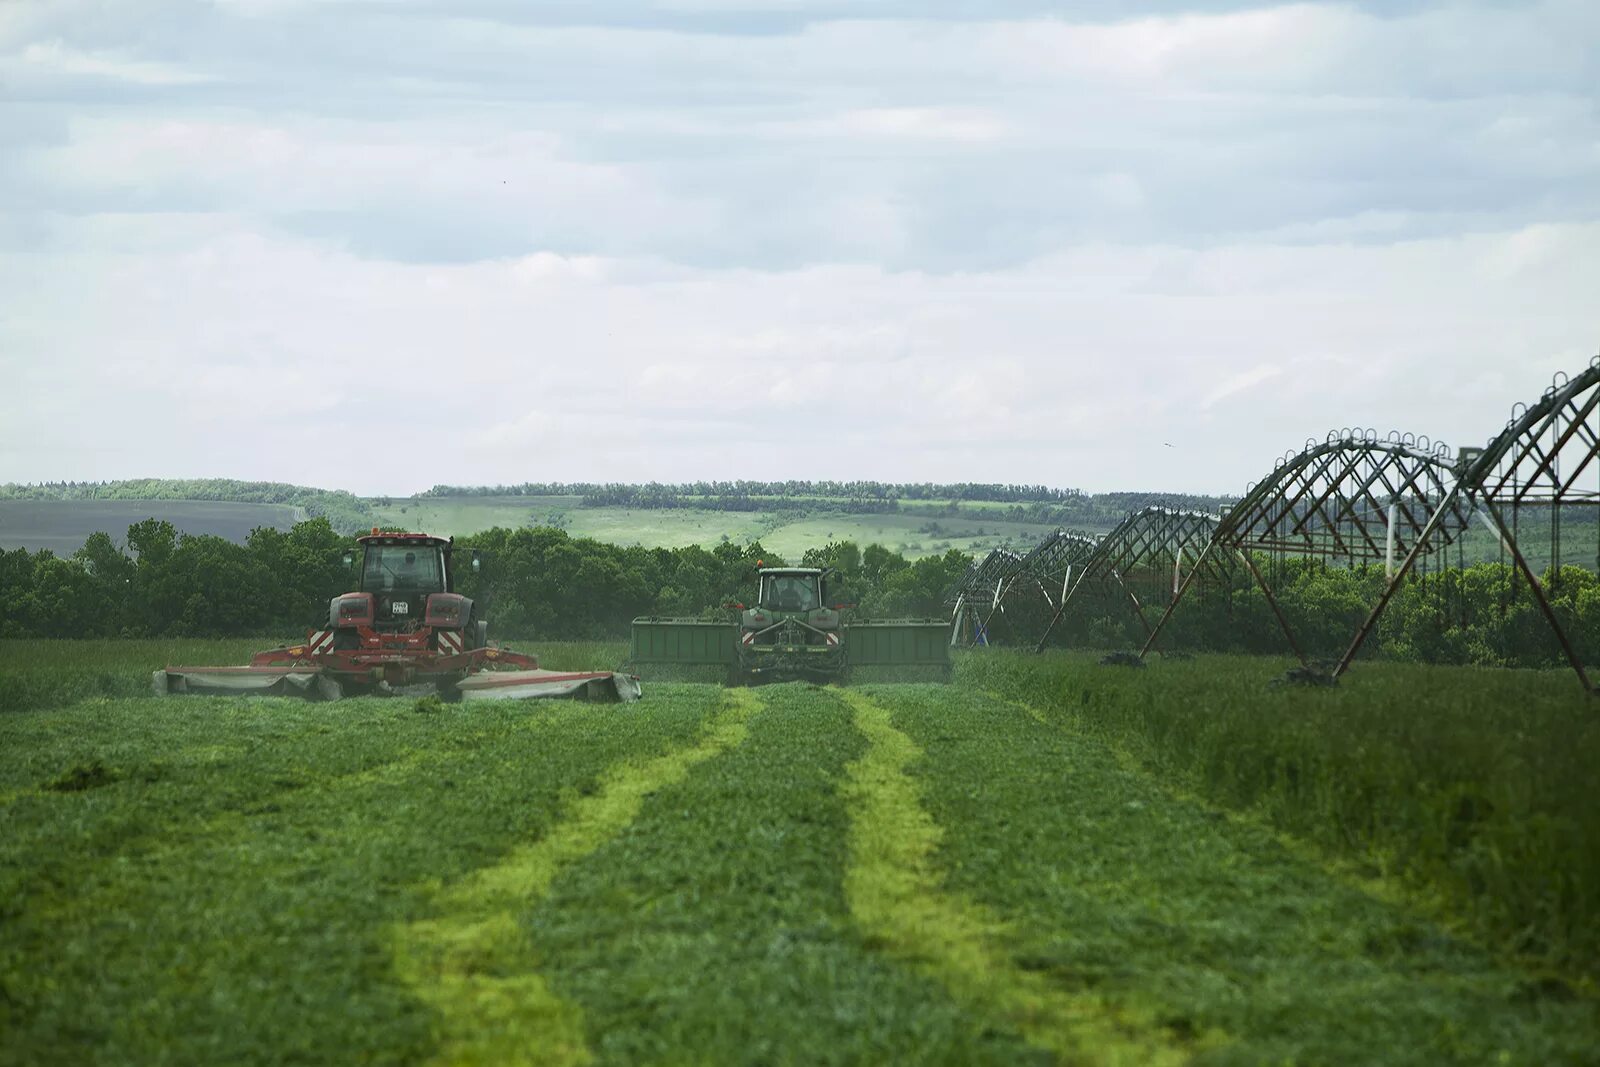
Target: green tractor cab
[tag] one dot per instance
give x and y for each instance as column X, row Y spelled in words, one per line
column 793, row 632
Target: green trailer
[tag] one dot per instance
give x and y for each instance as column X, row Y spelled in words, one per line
column 792, row 632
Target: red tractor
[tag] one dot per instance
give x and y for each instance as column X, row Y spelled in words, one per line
column 403, row 625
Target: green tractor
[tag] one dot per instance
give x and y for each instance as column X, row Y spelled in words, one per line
column 793, row 632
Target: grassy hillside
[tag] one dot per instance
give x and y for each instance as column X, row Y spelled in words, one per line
column 61, row 518
column 787, row 532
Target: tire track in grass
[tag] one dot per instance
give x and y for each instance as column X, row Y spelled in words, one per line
column 897, row 896
column 472, row 965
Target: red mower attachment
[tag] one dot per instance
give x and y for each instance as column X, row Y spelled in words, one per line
column 318, row 671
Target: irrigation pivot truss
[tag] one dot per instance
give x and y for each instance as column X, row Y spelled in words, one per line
column 1544, row 464
column 1144, row 558
column 1003, row 575
column 1348, row 500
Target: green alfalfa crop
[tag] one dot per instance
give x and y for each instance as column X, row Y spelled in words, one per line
column 1474, row 785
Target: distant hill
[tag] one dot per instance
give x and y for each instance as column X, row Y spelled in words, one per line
column 347, row 512
column 916, row 519
column 1035, row 504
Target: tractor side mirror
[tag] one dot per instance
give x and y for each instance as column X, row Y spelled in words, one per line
column 349, row 559
column 477, row 564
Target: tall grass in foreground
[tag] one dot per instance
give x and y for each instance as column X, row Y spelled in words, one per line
column 45, row 674
column 1477, row 787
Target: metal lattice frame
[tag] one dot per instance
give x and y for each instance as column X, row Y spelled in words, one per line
column 1047, row 569
column 1352, row 498
column 982, row 585
column 1545, row 459
column 1145, row 557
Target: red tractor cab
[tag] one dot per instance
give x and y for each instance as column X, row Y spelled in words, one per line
column 406, row 586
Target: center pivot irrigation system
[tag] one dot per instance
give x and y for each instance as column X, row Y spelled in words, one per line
column 1353, row 499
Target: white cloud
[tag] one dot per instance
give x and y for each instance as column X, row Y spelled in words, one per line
column 1240, row 383
column 594, row 367
column 918, row 123
column 54, row 58
column 999, row 248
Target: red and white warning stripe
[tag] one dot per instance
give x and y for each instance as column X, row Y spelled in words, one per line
column 450, row 642
column 321, row 643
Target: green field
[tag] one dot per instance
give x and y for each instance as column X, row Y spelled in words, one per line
column 913, row 534
column 1049, row 861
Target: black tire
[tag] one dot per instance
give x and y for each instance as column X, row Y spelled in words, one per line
column 475, row 634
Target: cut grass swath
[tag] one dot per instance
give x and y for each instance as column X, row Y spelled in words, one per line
column 715, row 929
column 258, row 928
column 1472, row 785
column 474, row 965
column 1206, row 926
column 897, row 895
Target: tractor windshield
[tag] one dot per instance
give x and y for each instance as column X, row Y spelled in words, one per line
column 414, row 568
column 790, row 592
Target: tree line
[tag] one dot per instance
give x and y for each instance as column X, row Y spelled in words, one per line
column 1028, row 503
column 537, row 583
column 540, row 583
column 350, row 514
column 614, row 493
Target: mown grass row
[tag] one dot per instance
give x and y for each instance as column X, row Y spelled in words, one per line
column 1475, row 786
column 471, row 961
column 717, row 929
column 901, row 896
column 239, row 906
column 1164, row 921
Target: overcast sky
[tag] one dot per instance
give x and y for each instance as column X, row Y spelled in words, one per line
column 381, row 245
